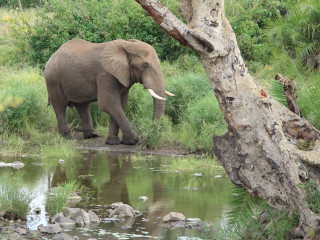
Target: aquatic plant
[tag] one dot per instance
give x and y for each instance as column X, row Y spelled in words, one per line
column 59, row 197
column 14, row 199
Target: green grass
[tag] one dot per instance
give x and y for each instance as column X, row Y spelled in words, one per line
column 56, row 202
column 13, row 198
column 190, row 164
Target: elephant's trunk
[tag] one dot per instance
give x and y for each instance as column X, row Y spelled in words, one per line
column 159, row 105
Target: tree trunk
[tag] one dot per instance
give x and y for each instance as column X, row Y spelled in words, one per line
column 260, row 150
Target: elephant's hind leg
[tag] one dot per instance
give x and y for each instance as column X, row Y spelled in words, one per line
column 61, row 120
column 85, row 116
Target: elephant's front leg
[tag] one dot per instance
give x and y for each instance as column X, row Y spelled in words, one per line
column 112, row 99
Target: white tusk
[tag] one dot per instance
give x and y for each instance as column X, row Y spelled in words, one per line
column 153, row 94
column 170, row 94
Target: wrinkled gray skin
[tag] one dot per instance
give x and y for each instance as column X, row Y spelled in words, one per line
column 80, row 72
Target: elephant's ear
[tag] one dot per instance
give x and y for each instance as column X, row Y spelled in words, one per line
column 114, row 60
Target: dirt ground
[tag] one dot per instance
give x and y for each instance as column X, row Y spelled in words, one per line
column 100, row 145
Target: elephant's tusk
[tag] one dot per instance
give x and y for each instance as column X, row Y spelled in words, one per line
column 170, row 94
column 153, row 94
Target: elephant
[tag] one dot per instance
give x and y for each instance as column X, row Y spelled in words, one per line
column 81, row 72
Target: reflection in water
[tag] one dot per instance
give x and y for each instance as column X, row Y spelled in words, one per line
column 113, row 179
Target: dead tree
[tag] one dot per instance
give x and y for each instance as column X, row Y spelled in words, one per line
column 260, row 150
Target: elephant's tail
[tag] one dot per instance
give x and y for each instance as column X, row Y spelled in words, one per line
column 49, row 103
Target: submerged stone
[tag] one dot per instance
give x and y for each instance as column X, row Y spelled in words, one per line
column 62, row 236
column 50, row 228
column 174, row 216
column 93, row 217
column 123, row 211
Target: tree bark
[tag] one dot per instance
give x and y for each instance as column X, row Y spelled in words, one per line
column 260, row 150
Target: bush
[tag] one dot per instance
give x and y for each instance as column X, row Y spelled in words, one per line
column 248, row 19
column 15, row 4
column 29, row 86
column 97, row 21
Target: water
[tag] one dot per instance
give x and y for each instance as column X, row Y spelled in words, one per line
column 113, row 177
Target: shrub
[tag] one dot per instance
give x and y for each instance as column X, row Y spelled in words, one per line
column 248, row 19
column 97, row 21
column 28, row 85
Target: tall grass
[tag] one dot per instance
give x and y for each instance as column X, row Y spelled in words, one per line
column 14, row 199
column 58, row 200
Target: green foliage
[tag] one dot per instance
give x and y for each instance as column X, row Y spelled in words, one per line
column 244, row 219
column 299, row 33
column 58, row 200
column 188, row 87
column 28, row 86
column 95, row 21
column 248, row 19
column 14, row 199
column 312, row 195
column 15, row 4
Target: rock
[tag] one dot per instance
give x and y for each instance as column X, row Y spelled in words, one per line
column 37, row 210
column 15, row 236
column 61, row 161
column 65, row 222
column 79, row 221
column 50, row 228
column 197, row 174
column 177, row 171
column 73, row 199
column 20, row 231
column 53, row 219
column 93, row 217
column 218, row 176
column 193, row 220
column 116, row 204
column 62, row 236
column 143, row 198
column 297, row 233
column 81, row 214
column 70, row 212
column 16, row 164
column 123, row 211
column 174, row 216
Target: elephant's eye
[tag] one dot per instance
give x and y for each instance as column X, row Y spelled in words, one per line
column 145, row 65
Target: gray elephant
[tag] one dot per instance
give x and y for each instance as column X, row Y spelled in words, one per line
column 80, row 72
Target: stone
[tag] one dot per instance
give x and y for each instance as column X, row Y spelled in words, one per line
column 93, row 217
column 177, row 171
column 65, row 222
column 197, row 174
column 174, row 216
column 73, row 199
column 15, row 236
column 16, row 164
column 116, row 204
column 79, row 221
column 193, row 220
column 143, row 198
column 123, row 211
column 218, row 176
column 84, row 215
column 62, row 236
column 20, row 231
column 53, row 219
column 70, row 212
column 50, row 228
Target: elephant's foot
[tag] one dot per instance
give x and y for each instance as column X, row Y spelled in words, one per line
column 66, row 135
column 113, row 140
column 130, row 141
column 90, row 134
